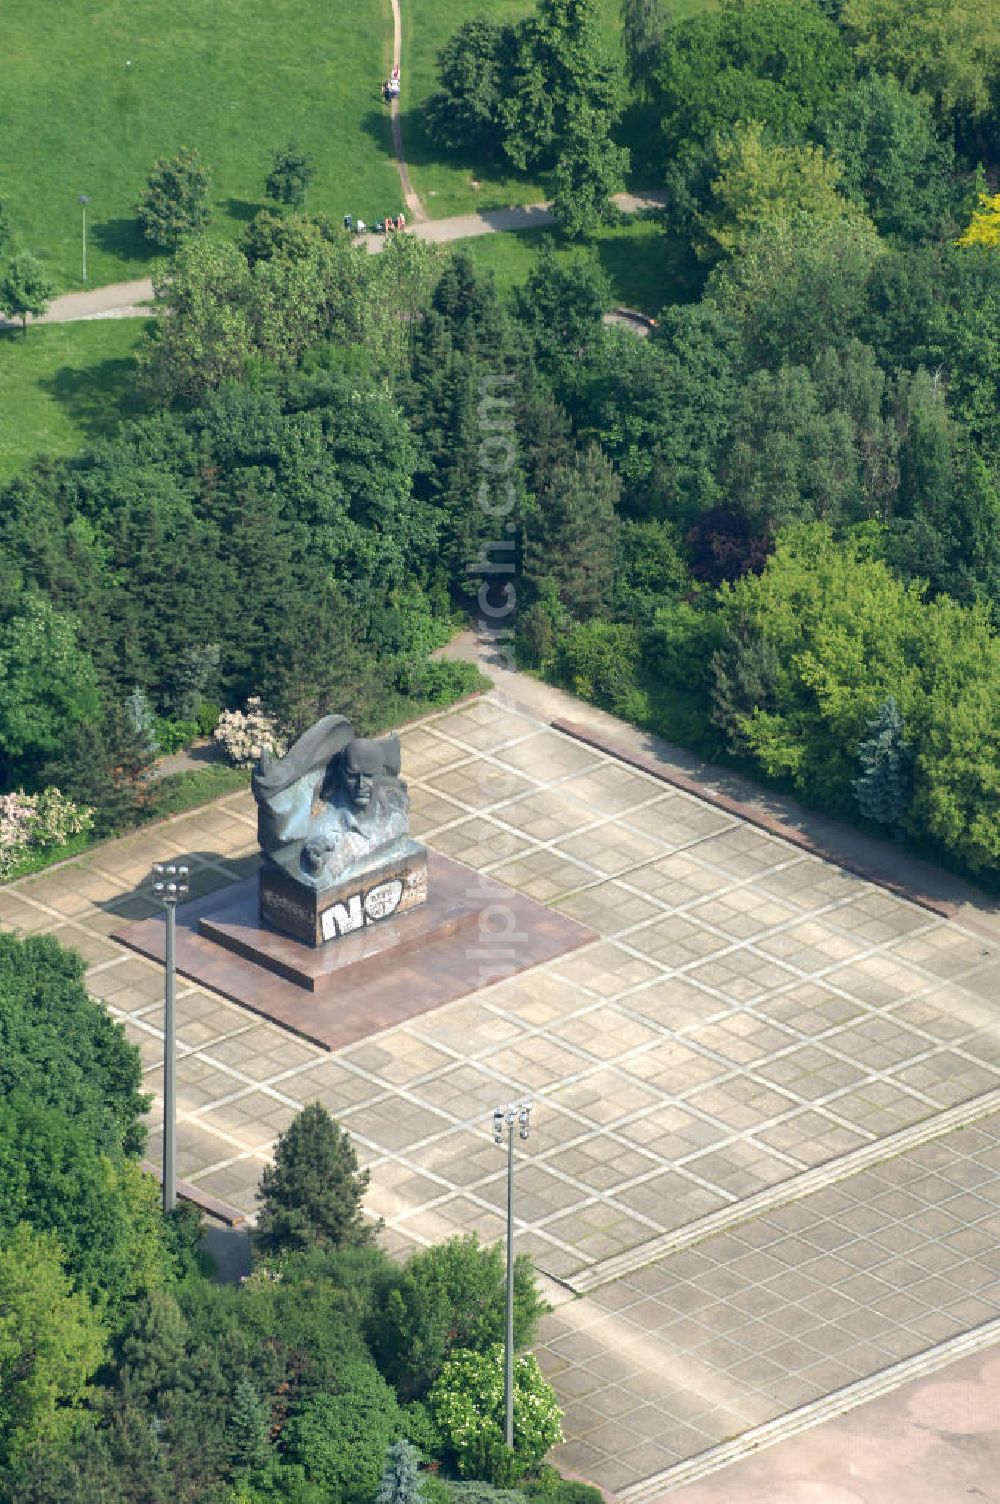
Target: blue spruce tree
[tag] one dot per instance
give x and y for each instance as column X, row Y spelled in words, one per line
column 401, row 1482
column 885, row 787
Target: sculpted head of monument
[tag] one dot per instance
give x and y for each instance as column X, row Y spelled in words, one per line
column 333, row 805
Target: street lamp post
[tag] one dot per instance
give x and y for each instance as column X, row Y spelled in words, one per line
column 505, row 1118
column 169, row 884
column 84, row 199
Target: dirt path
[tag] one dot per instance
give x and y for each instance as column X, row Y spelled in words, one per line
column 415, row 209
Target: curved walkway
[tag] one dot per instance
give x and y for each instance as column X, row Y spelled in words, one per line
column 121, row 300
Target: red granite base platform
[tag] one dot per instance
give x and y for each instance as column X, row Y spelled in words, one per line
column 472, row 932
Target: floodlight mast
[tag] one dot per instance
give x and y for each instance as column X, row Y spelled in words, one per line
column 504, row 1119
column 169, row 885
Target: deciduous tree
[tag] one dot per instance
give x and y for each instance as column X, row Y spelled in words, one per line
column 291, row 173
column 174, row 203
column 26, row 287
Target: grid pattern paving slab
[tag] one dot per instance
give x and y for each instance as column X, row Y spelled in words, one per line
column 779, row 1311
column 752, row 1018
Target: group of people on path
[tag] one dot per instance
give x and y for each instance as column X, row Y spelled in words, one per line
column 390, row 89
column 381, row 226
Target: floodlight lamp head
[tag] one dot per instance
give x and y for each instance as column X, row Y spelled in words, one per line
column 498, row 1125
column 523, row 1116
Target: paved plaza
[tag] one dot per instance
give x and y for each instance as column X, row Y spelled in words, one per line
column 763, row 1159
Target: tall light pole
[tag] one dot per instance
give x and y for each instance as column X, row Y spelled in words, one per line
column 505, row 1118
column 169, row 884
column 84, row 199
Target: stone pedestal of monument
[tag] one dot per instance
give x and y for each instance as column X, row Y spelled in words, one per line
column 321, row 915
column 471, row 933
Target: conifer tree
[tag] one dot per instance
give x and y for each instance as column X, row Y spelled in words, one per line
column 311, row 1195
column 401, row 1483
column 885, row 787
column 249, row 1427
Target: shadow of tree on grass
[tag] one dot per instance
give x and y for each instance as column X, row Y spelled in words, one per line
column 97, row 397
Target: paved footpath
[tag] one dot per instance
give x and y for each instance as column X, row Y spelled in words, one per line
column 128, row 299
column 761, row 1182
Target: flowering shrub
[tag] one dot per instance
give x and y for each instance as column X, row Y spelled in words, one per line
column 34, row 822
column 466, row 1403
column 244, row 734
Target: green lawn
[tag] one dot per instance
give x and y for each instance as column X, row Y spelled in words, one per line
column 92, row 91
column 63, row 385
column 647, row 268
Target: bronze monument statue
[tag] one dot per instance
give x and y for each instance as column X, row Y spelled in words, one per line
column 333, row 825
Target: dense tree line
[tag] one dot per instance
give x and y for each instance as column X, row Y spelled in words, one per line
column 127, row 1374
column 303, row 515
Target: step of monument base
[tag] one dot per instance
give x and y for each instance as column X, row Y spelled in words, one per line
column 237, row 927
column 504, row 935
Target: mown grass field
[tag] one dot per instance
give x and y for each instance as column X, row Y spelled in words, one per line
column 64, row 385
column 92, row 91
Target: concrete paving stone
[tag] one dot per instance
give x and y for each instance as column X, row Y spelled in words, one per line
column 605, row 970
column 808, row 883
column 675, row 940
column 252, row 1122
column 672, row 1134
column 533, row 1065
column 92, row 947
column 608, row 907
column 674, row 1003
column 610, row 848
column 454, row 1216
column 810, row 945
column 424, row 751
column 812, row 1072
column 811, row 1138
column 741, row 1103
column 539, row 1193
column 750, row 851
column 542, row 873
column 479, row 784
column 197, row 1148
column 676, row 880
column 669, row 1200
column 546, row 756
column 478, row 842
column 809, row 1009
column 543, row 816
column 743, row 975
column 603, row 1097
column 643, row 1460
column 393, row 1124
column 742, row 913
column 467, row 1093
column 603, row 1028
column 465, row 1031
column 430, row 811
column 741, row 1038
column 948, row 1079
column 946, row 950
column 458, row 1157
column 983, row 983
column 600, row 1222
column 615, row 789
column 601, row 1163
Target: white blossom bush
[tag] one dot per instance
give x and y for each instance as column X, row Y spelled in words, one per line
column 467, row 1405
column 244, row 734
column 37, row 822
